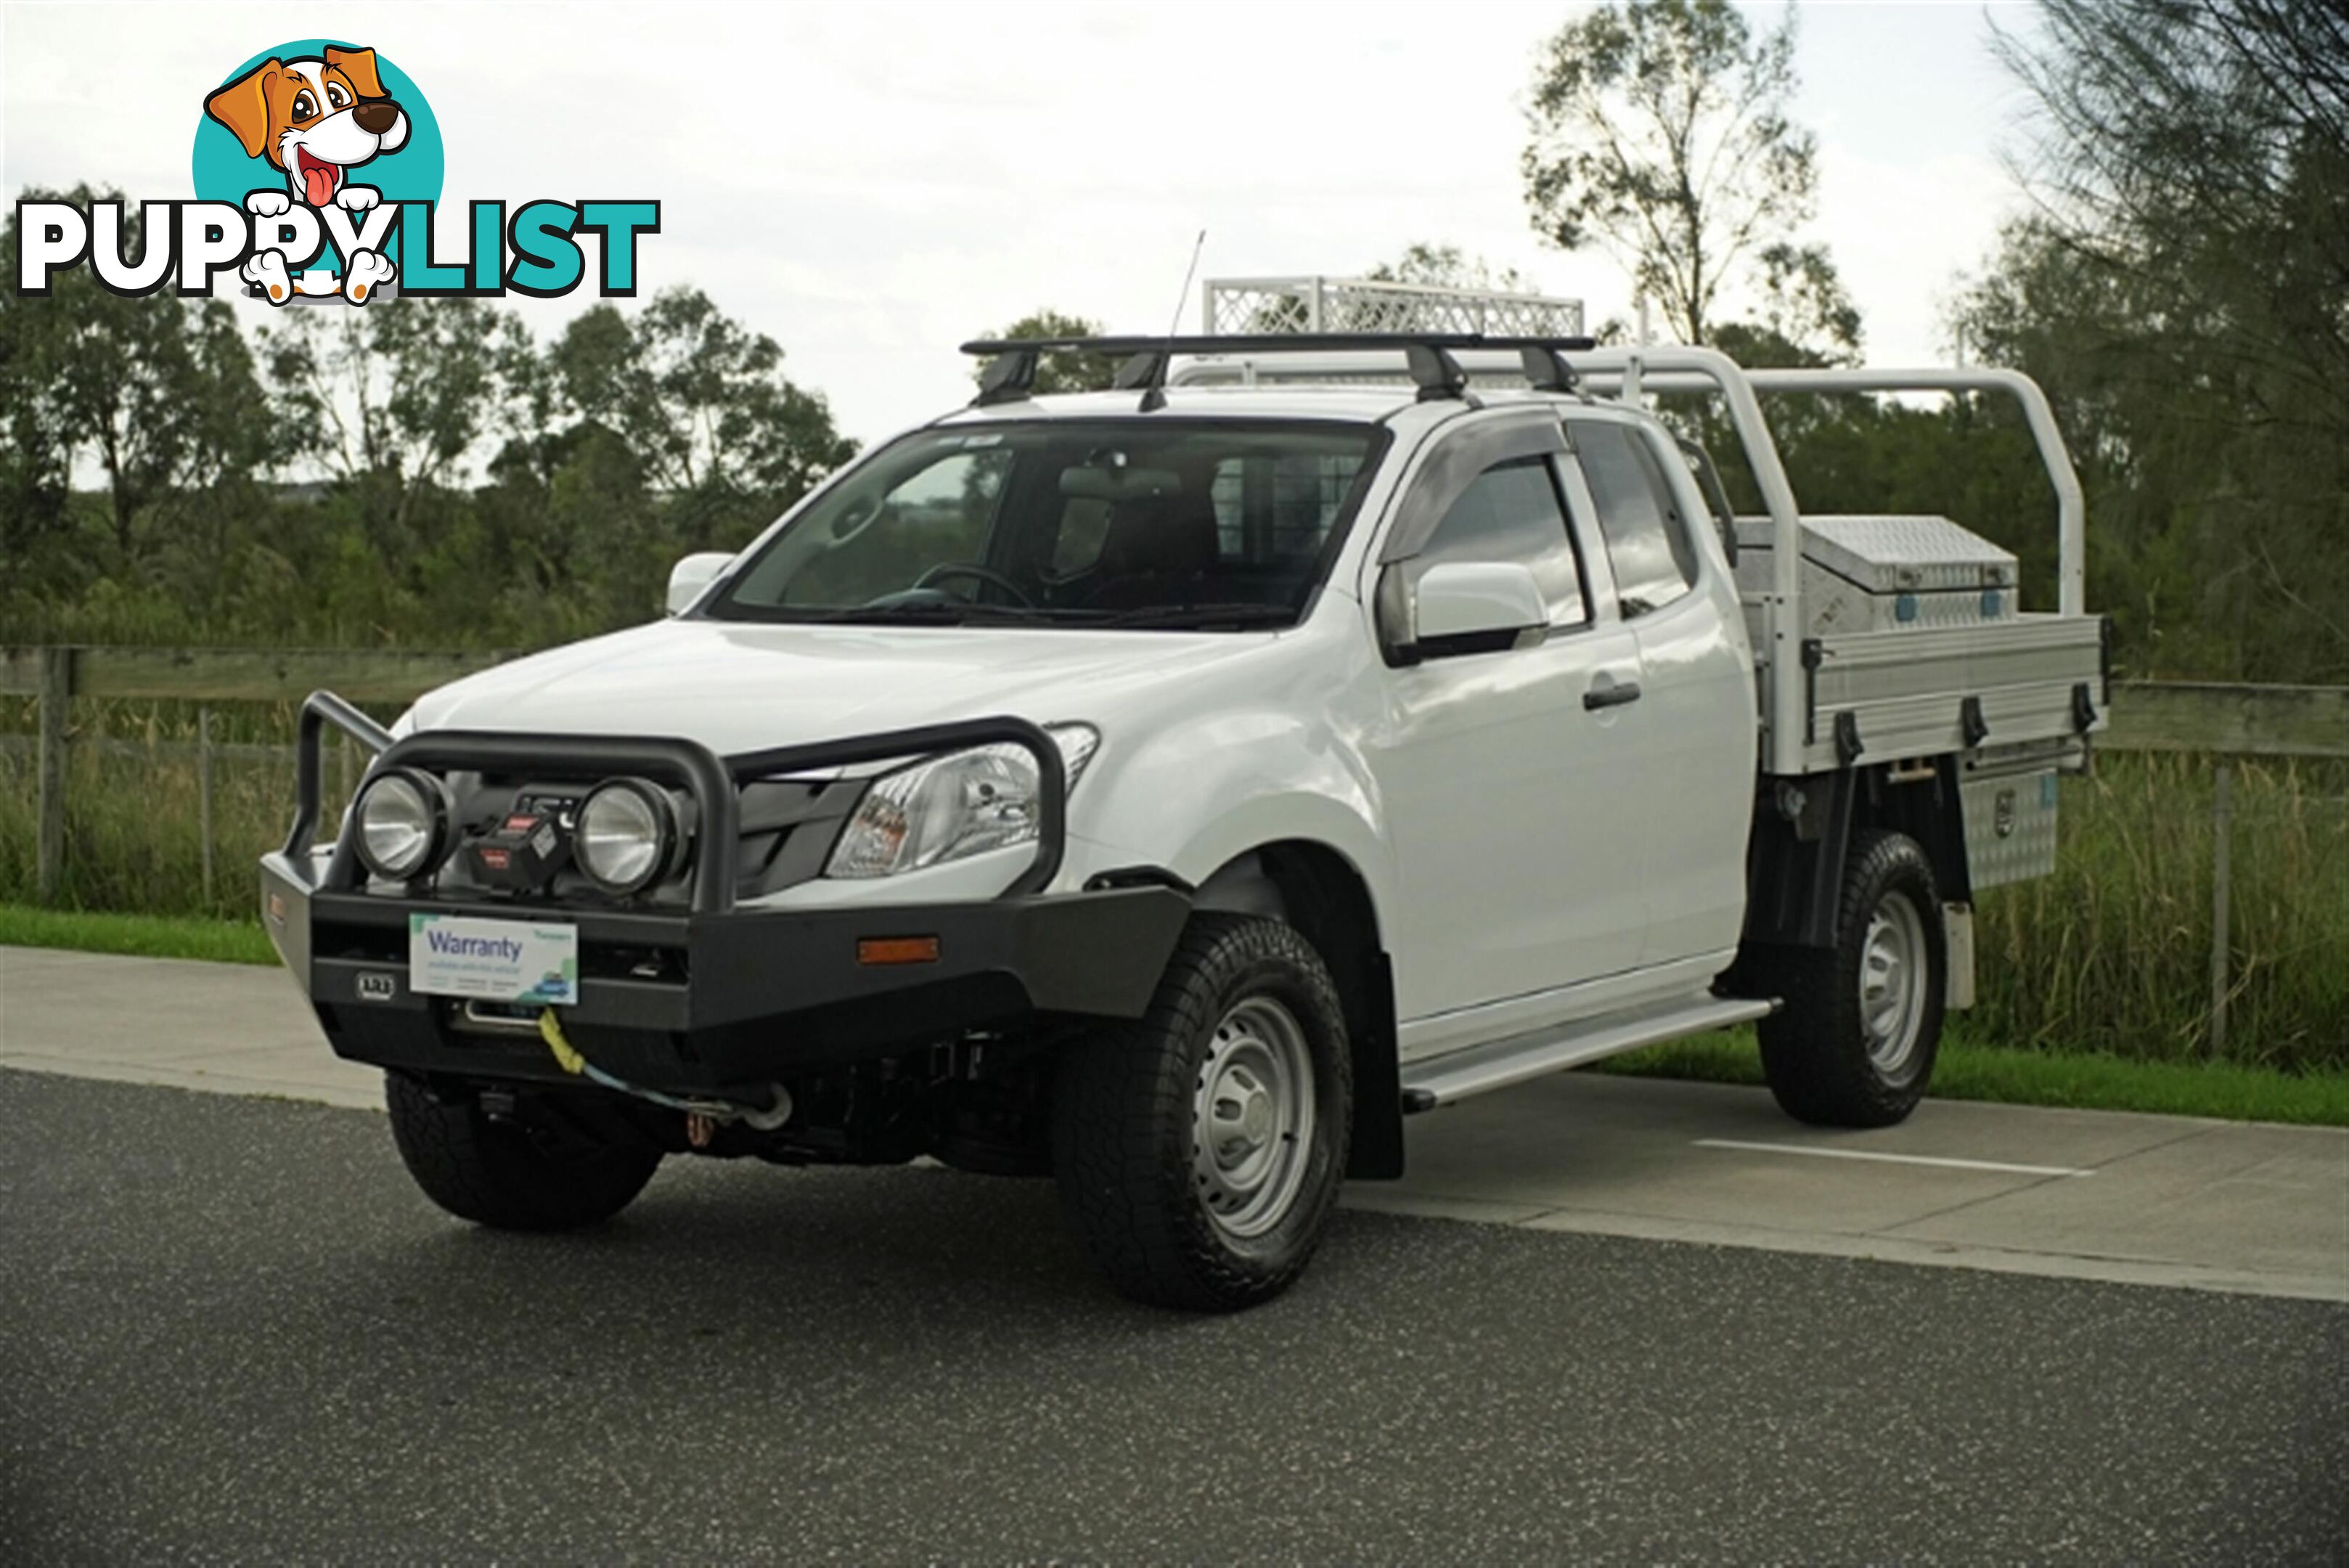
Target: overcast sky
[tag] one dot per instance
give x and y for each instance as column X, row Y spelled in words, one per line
column 870, row 184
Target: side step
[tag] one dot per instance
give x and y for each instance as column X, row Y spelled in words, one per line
column 1456, row 1074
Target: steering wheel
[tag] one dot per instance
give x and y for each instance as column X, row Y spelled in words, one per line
column 972, row 569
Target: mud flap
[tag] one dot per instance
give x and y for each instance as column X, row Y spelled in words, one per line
column 1957, row 947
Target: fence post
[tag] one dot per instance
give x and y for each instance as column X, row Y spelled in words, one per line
column 205, row 794
column 56, row 697
column 2222, row 811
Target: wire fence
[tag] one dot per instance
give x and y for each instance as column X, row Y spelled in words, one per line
column 2217, row 823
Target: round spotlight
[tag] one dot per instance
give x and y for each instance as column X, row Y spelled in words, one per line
column 627, row 835
column 403, row 821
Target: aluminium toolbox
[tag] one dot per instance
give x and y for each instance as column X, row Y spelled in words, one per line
column 1887, row 574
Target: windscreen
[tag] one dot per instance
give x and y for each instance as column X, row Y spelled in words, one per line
column 1131, row 523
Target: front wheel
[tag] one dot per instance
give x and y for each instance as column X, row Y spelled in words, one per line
column 1853, row 1044
column 504, row 1174
column 1199, row 1150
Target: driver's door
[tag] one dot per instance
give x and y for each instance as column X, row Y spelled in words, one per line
column 1511, row 793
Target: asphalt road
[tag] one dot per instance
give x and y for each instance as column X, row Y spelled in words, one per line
column 229, row 1328
column 2097, row 1195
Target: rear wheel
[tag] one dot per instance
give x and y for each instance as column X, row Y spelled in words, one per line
column 505, row 1174
column 1199, row 1150
column 1855, row 1041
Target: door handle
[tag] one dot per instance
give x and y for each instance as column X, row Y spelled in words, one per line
column 1611, row 696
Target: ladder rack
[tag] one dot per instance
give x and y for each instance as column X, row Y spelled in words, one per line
column 1316, row 302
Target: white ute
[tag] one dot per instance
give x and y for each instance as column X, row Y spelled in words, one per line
column 1173, row 788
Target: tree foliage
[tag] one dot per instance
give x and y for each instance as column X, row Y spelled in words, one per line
column 700, row 401
column 1661, row 132
column 156, row 396
column 315, row 478
column 1448, row 267
column 2181, row 289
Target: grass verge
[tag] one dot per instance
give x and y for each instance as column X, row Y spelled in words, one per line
column 2075, row 1080
column 1966, row 1070
column 147, row 936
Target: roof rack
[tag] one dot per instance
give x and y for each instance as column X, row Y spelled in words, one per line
column 1011, row 372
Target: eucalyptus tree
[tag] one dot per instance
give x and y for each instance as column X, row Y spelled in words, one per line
column 1661, row 132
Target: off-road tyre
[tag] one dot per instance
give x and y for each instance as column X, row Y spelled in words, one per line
column 499, row 1173
column 1816, row 1048
column 1125, row 1139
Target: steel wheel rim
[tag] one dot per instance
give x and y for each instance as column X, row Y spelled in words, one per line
column 1892, row 976
column 1252, row 1119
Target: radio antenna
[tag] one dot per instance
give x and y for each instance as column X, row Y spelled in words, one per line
column 1149, row 370
column 1188, row 273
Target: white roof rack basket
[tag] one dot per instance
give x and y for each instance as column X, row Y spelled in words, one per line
column 1318, row 304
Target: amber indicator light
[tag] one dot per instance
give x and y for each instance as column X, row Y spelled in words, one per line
column 896, row 950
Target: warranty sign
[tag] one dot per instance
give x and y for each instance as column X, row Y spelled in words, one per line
column 492, row 961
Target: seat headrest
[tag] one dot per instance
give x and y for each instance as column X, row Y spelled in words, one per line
column 1160, row 535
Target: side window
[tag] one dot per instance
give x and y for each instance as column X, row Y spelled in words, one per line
column 1647, row 538
column 1716, row 496
column 1511, row 513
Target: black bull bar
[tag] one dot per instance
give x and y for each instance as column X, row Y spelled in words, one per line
column 710, row 997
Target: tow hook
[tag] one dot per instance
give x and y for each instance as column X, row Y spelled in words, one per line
column 777, row 1113
column 701, row 1125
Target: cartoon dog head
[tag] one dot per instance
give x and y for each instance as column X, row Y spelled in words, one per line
column 314, row 118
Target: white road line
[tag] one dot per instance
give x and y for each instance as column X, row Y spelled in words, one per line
column 1891, row 1159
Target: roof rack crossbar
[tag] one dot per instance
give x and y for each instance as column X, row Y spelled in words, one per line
column 1436, row 372
column 1546, row 369
column 1140, row 370
column 1146, row 373
column 1011, row 374
column 1010, row 377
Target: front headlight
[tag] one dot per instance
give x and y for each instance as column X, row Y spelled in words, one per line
column 953, row 806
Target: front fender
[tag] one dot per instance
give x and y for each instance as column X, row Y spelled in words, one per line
column 1192, row 798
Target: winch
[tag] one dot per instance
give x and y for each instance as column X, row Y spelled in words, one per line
column 523, row 849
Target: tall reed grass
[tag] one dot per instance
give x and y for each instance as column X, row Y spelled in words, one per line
column 133, row 804
column 2111, row 954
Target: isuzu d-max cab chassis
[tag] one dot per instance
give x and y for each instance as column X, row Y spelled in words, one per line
column 1174, row 788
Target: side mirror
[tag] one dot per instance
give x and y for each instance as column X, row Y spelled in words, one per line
column 695, row 572
column 1469, row 606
